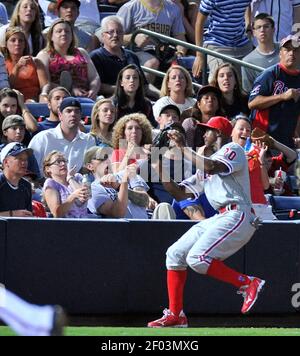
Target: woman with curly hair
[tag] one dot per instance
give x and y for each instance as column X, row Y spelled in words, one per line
column 234, row 100
column 103, row 119
column 176, row 89
column 130, row 132
column 129, row 96
column 25, row 73
column 62, row 59
column 27, row 16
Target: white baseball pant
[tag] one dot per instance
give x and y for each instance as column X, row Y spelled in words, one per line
column 218, row 237
column 24, row 318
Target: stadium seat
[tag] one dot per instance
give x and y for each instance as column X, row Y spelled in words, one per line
column 41, row 109
column 38, row 109
column 285, row 208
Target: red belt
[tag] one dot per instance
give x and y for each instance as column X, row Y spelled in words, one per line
column 228, row 208
column 232, row 207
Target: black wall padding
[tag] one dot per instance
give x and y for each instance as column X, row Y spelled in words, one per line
column 118, row 266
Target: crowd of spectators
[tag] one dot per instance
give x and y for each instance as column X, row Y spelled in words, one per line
column 61, row 55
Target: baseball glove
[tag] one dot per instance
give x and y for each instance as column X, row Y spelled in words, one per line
column 260, row 135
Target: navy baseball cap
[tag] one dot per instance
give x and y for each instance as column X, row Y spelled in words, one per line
column 14, row 149
column 170, row 107
column 60, row 2
column 209, row 89
column 69, row 101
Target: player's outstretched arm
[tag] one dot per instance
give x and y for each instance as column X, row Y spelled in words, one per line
column 178, row 192
column 203, row 163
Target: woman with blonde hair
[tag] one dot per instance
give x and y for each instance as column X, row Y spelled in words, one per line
column 176, row 89
column 26, row 15
column 64, row 194
column 103, row 119
column 129, row 133
column 25, row 73
column 64, row 61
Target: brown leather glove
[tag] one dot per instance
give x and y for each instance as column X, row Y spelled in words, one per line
column 259, row 135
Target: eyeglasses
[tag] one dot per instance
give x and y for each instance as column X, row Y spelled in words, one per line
column 103, row 159
column 112, row 32
column 262, row 27
column 59, row 162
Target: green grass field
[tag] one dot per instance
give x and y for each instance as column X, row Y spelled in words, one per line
column 109, row 331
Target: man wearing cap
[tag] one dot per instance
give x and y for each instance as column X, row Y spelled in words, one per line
column 15, row 192
column 17, row 125
column 69, row 10
column 274, row 99
column 224, row 178
column 14, row 129
column 66, row 137
column 167, row 115
column 88, row 19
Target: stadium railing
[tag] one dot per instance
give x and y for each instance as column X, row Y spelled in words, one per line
column 205, row 51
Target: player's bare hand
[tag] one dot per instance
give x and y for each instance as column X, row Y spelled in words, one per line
column 263, row 148
column 198, row 66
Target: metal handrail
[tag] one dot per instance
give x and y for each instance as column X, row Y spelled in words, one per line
column 162, row 75
column 197, row 49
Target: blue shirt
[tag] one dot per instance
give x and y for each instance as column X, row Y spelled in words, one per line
column 280, row 120
column 108, row 65
column 3, row 14
column 46, row 125
column 227, row 22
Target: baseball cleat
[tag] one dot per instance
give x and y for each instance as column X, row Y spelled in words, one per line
column 169, row 320
column 59, row 321
column 250, row 293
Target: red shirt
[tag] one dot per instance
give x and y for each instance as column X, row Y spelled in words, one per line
column 256, row 185
column 118, row 155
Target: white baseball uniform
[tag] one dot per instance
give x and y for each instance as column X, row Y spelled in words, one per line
column 24, row 318
column 222, row 235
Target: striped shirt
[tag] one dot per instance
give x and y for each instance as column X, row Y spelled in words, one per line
column 227, row 22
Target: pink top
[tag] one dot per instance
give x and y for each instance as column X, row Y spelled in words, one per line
column 77, row 67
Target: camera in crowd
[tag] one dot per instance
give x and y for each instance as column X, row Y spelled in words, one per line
column 162, row 139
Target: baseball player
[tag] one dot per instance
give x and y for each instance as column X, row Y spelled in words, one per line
column 28, row 319
column 224, row 178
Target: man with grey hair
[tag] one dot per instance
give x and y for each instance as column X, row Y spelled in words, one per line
column 112, row 57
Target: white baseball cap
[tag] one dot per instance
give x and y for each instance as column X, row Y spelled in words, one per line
column 14, row 149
